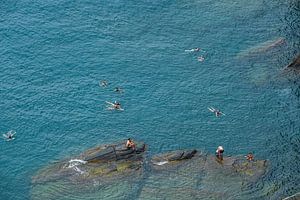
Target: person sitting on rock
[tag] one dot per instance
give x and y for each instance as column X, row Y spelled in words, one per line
column 250, row 157
column 130, row 144
column 219, row 152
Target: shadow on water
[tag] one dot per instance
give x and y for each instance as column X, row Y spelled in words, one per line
column 291, row 29
column 284, row 176
column 283, row 145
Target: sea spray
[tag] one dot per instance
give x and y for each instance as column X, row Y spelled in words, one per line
column 74, row 163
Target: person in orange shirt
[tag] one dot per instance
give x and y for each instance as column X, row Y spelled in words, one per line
column 250, row 157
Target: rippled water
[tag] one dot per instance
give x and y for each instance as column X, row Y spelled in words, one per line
column 53, row 55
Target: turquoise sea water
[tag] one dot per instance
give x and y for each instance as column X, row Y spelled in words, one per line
column 53, row 55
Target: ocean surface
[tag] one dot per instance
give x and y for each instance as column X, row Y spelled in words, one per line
column 53, row 54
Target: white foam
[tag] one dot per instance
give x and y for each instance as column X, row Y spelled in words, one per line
column 160, row 163
column 78, row 170
column 75, row 162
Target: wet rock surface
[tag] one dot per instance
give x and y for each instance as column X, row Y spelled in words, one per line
column 203, row 176
column 293, row 197
column 295, row 64
column 173, row 157
column 181, row 174
column 104, row 161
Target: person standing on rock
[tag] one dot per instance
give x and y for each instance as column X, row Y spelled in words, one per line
column 219, row 152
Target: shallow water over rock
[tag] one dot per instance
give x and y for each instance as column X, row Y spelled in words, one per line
column 181, row 174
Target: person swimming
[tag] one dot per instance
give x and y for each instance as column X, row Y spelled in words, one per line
column 117, row 105
column 118, row 89
column 114, row 106
column 103, row 83
column 200, row 58
column 219, row 152
column 9, row 135
column 217, row 112
column 193, row 50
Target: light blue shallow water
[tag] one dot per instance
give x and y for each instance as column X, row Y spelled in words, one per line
column 53, row 55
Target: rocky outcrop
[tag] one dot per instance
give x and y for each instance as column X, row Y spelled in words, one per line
column 107, row 161
column 295, row 64
column 167, row 160
column 203, row 176
column 117, row 171
column 251, row 170
column 109, row 153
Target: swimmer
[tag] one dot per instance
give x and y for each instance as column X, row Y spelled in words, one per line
column 200, row 58
column 193, row 50
column 114, row 106
column 117, row 105
column 119, row 90
column 9, row 135
column 217, row 112
column 103, row 83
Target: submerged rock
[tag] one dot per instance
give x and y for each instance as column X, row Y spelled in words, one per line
column 263, row 48
column 172, row 158
column 101, row 162
column 251, row 169
column 202, row 176
column 115, row 171
column 293, row 197
column 236, row 166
